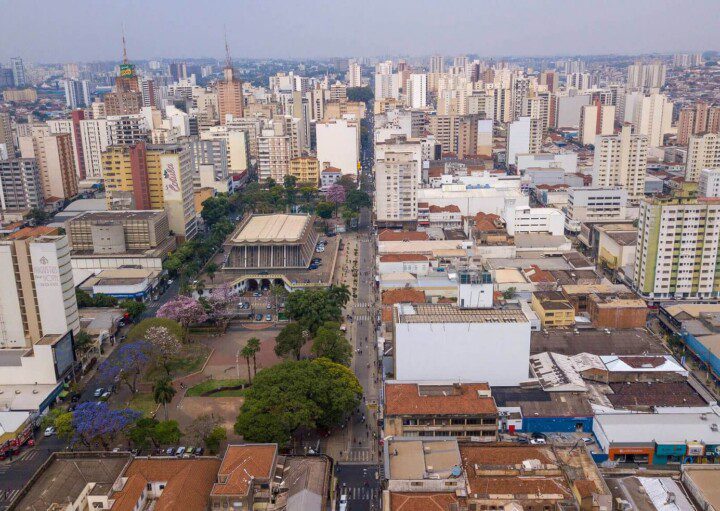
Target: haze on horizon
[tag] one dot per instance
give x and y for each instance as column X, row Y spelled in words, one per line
column 83, row 30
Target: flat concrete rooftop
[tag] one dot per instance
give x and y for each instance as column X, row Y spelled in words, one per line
column 273, row 229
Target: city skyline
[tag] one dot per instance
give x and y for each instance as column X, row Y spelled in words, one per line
column 488, row 29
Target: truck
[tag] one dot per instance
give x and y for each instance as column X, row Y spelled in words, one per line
column 12, row 447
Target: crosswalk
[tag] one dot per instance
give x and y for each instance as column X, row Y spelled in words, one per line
column 27, row 455
column 362, row 317
column 363, row 304
column 8, row 495
column 361, row 493
column 360, row 455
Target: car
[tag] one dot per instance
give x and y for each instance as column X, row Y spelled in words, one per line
column 538, row 441
column 522, row 440
column 199, row 451
column 268, row 317
column 268, row 306
column 117, row 449
column 313, row 267
column 588, row 440
column 343, row 502
column 170, row 282
column 537, row 434
column 170, row 451
column 258, row 317
column 190, row 451
column 257, row 294
column 105, row 396
column 98, row 392
column 49, row 431
column 246, row 305
column 181, row 450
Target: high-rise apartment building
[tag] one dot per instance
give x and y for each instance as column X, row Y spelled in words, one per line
column 72, row 126
column 95, row 138
column 596, row 120
column 18, row 71
column 354, row 74
column 703, row 153
column 38, row 296
column 127, row 129
column 338, row 144
column 396, row 195
column 145, row 177
column 20, row 186
column 56, row 161
column 709, row 184
column 697, row 119
column 650, row 75
column 417, row 90
column 6, row 134
column 524, row 136
column 306, row 169
column 147, row 89
column 274, row 154
column 652, row 116
column 621, row 160
column 77, row 93
column 387, row 83
column 677, row 248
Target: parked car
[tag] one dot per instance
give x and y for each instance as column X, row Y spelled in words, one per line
column 268, row 317
column 258, row 317
column 181, row 450
column 538, row 441
column 257, row 294
column 98, row 392
column 105, row 396
column 170, row 451
column 49, row 431
column 190, row 451
column 199, row 451
column 268, row 306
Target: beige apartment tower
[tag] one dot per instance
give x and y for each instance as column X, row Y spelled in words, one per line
column 230, row 98
column 621, row 160
column 703, row 153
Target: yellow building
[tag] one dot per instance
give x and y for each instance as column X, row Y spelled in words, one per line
column 147, row 177
column 306, row 169
column 201, row 195
column 553, row 309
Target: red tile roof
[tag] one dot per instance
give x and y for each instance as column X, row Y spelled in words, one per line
column 403, row 295
column 388, row 235
column 242, row 463
column 406, row 399
column 451, row 208
column 422, row 501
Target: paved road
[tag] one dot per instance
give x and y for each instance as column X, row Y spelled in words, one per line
column 360, row 483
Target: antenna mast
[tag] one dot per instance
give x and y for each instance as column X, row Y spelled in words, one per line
column 125, row 58
column 228, row 60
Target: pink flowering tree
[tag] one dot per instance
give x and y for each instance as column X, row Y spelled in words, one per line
column 219, row 304
column 336, row 195
column 183, row 309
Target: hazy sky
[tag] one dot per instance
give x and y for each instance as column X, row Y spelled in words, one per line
column 86, row 30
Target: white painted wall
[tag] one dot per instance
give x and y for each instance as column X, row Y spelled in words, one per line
column 497, row 353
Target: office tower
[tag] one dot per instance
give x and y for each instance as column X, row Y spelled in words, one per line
column 396, row 200
column 524, row 136
column 709, row 185
column 703, row 153
column 20, row 186
column 6, row 135
column 596, row 120
column 621, row 160
column 95, row 139
column 354, row 74
column 417, row 91
column 126, row 99
column 38, row 295
column 646, row 75
column 229, row 90
column 56, row 160
column 338, row 145
column 437, row 64
column 147, row 89
column 18, row 70
column 144, row 176
column 677, row 248
column 652, row 116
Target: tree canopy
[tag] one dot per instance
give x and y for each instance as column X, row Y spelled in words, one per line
column 363, row 94
column 138, row 331
column 305, row 394
column 313, row 307
column 330, row 342
column 290, row 341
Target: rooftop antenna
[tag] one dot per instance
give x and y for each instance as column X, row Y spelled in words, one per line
column 125, row 59
column 228, row 60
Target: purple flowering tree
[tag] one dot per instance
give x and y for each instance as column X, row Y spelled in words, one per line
column 183, row 309
column 126, row 364
column 336, row 195
column 95, row 423
column 220, row 303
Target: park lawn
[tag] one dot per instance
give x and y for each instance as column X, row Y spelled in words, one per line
column 209, row 385
column 143, row 402
column 191, row 360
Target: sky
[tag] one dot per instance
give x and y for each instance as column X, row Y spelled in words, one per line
column 56, row 31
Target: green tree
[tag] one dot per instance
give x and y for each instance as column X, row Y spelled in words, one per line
column 138, row 331
column 50, row 417
column 211, row 269
column 213, row 440
column 167, row 432
column 64, row 426
column 325, row 209
column 362, row 94
column 290, row 340
column 38, row 216
column 340, row 295
column 254, row 345
column 133, row 308
column 142, row 433
column 215, row 209
column 247, row 353
column 312, row 307
column 330, row 342
column 509, row 293
column 305, row 394
column 163, row 393
column 83, row 342
column 356, row 199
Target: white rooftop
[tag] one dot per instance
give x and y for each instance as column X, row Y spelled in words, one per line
column 661, row 428
column 11, row 421
column 642, row 363
column 272, row 228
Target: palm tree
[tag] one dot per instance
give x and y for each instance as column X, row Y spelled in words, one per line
column 340, row 294
column 211, row 269
column 163, row 393
column 247, row 353
column 254, row 344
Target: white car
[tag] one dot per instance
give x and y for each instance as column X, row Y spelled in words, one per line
column 49, row 431
column 537, row 441
column 343, row 502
